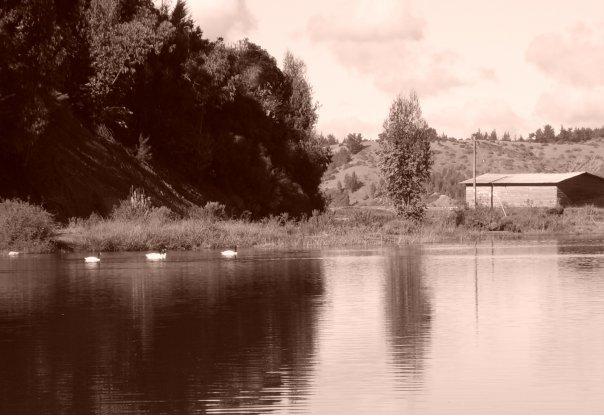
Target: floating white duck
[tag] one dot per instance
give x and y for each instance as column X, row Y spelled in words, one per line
column 156, row 256
column 229, row 253
column 13, row 253
column 92, row 259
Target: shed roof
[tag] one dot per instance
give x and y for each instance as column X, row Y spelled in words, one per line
column 524, row 178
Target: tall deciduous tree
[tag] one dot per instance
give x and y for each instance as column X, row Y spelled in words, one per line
column 302, row 110
column 405, row 158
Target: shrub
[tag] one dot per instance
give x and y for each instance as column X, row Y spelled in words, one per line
column 143, row 149
column 161, row 215
column 354, row 142
column 211, row 211
column 25, row 226
column 340, row 199
column 104, row 132
column 137, row 206
column 352, row 182
column 318, row 223
column 339, row 158
column 481, row 218
column 447, row 218
column 369, row 218
column 400, row 227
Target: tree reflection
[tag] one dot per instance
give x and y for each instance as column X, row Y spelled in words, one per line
column 408, row 314
column 179, row 339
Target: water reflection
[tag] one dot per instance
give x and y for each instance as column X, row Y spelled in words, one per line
column 408, row 315
column 496, row 327
column 531, row 342
column 182, row 337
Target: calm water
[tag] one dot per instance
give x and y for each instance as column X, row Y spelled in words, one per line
column 501, row 327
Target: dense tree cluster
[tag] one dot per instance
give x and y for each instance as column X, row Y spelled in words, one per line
column 571, row 135
column 492, row 136
column 215, row 116
column 547, row 134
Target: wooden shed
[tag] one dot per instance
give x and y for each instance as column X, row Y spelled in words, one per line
column 536, row 189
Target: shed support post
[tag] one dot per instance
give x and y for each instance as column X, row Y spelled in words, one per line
column 474, row 169
column 492, row 189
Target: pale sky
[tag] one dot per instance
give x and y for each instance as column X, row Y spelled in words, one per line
column 496, row 64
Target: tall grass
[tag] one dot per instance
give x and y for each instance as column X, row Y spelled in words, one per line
column 136, row 225
column 25, row 227
column 341, row 228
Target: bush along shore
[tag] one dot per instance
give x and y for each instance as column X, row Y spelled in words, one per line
column 135, row 225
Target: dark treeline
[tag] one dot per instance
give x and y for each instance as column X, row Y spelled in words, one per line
column 214, row 116
column 571, row 135
column 547, row 134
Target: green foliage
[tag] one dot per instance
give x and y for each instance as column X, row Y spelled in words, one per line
column 41, row 54
column 354, row 143
column 302, row 114
column 120, row 43
column 446, row 182
column 24, row 226
column 515, row 220
column 139, row 207
column 352, row 182
column 347, row 226
column 576, row 135
column 211, row 211
column 328, row 140
column 340, row 199
column 405, row 159
column 220, row 119
column 339, row 158
column 143, row 150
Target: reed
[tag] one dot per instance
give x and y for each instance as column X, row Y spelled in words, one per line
column 342, row 228
column 135, row 225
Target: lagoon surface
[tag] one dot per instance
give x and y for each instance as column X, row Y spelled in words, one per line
column 498, row 327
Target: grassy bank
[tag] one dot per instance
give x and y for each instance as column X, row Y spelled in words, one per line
column 341, row 228
column 134, row 225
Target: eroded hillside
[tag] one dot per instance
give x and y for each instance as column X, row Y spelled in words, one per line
column 453, row 162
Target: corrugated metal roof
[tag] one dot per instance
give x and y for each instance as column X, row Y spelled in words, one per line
column 522, row 178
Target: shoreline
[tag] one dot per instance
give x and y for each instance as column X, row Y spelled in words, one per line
column 63, row 243
column 344, row 228
column 28, row 228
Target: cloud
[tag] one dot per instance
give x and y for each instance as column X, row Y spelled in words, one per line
column 367, row 21
column 385, row 41
column 230, row 19
column 572, row 107
column 575, row 57
column 485, row 113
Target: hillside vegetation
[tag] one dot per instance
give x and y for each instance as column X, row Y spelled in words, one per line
column 453, row 163
column 99, row 96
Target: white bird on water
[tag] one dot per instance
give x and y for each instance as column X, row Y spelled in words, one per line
column 156, row 256
column 13, row 253
column 92, row 259
column 229, row 253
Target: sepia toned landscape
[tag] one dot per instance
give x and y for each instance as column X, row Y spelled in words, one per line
column 344, row 207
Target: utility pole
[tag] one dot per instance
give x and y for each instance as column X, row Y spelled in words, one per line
column 474, row 169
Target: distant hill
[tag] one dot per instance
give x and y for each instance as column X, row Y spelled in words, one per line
column 453, row 163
